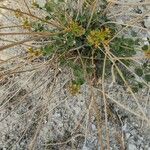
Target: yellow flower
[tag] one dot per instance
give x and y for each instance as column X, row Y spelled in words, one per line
column 74, row 89
column 18, row 13
column 34, row 53
column 147, row 53
column 27, row 24
column 30, row 50
column 96, row 37
column 35, row 4
column 76, row 29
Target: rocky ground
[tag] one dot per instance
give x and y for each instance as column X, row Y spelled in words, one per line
column 37, row 111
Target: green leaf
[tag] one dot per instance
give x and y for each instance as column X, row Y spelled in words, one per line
column 48, row 49
column 78, row 72
column 49, row 6
column 38, row 27
column 133, row 33
column 123, row 47
column 139, row 71
column 79, row 81
column 147, row 77
column 145, row 48
column 135, row 89
column 140, row 85
column 48, row 17
column 136, row 86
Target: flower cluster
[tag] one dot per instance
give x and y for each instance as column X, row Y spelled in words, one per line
column 96, row 37
column 76, row 29
column 34, row 53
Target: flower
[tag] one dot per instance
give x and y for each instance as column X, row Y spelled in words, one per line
column 76, row 29
column 34, row 53
column 27, row 24
column 18, row 13
column 147, row 53
column 96, row 37
column 74, row 89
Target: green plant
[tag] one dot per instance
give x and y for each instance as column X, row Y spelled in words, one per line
column 85, row 40
column 82, row 38
column 79, row 37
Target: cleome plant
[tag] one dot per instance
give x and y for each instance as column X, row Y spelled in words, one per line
column 79, row 36
column 82, row 40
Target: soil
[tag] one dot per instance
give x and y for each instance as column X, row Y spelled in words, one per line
column 37, row 110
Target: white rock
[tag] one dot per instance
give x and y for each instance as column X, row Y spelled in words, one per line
column 41, row 2
column 145, row 41
column 132, row 147
column 124, row 128
column 127, row 135
column 93, row 127
column 147, row 22
column 84, row 147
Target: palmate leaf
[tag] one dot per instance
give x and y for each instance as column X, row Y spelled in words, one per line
column 48, row 50
column 136, row 86
column 145, row 47
column 147, row 77
column 38, row 26
column 139, row 71
column 77, row 71
column 50, row 6
column 124, row 47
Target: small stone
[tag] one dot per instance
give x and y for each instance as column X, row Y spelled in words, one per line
column 147, row 22
column 124, row 128
column 41, row 3
column 146, row 42
column 93, row 127
column 132, row 147
column 127, row 135
column 85, row 147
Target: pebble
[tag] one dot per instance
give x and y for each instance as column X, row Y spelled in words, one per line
column 132, row 147
column 128, row 135
column 147, row 22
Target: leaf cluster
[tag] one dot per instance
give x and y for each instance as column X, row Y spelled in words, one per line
column 82, row 47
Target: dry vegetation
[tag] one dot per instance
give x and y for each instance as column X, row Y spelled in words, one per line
column 71, row 75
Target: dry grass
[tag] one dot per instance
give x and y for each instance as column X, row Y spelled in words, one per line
column 34, row 89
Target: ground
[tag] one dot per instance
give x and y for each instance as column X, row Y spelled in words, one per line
column 37, row 110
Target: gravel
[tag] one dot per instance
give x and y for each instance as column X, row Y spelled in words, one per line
column 68, row 121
